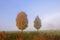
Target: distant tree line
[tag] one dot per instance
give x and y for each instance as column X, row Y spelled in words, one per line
column 22, row 21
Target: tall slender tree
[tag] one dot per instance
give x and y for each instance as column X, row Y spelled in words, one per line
column 21, row 20
column 37, row 23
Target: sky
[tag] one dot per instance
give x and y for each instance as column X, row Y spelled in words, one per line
column 47, row 10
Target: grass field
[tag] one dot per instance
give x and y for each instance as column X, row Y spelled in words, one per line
column 30, row 35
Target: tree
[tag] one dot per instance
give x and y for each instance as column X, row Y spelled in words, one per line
column 21, row 20
column 37, row 23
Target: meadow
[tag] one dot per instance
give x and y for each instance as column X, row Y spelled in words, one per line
column 30, row 35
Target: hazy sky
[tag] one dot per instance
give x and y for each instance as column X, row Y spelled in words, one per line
column 47, row 10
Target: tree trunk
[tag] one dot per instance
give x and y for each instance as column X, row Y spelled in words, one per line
column 22, row 31
column 37, row 30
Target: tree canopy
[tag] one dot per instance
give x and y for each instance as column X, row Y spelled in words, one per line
column 37, row 23
column 21, row 20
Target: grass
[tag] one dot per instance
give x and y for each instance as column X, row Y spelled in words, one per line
column 30, row 35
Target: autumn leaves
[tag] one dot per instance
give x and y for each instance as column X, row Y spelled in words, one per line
column 22, row 21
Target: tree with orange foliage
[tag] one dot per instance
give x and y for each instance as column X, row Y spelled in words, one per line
column 21, row 20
